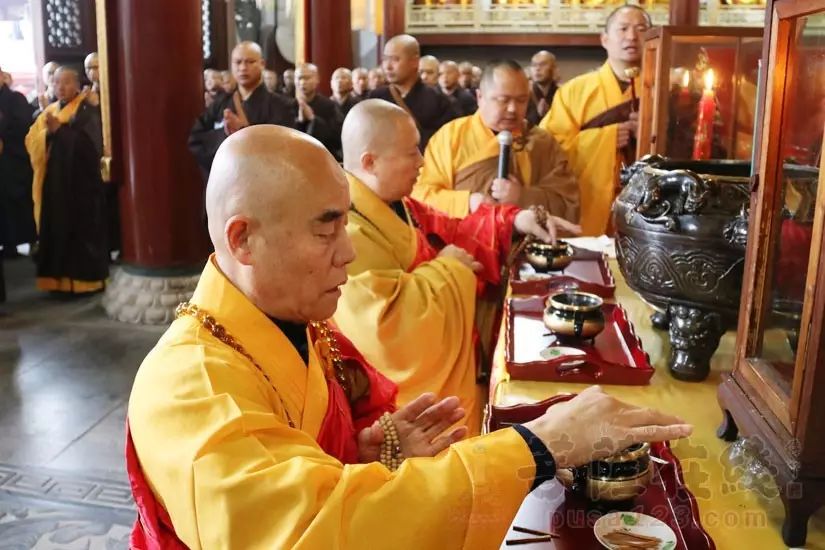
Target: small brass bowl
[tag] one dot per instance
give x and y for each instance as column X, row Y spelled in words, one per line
column 549, row 257
column 574, row 314
column 621, row 477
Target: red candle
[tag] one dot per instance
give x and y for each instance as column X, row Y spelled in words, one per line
column 704, row 125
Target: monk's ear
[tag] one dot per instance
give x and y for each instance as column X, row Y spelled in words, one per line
column 604, row 39
column 368, row 162
column 237, row 234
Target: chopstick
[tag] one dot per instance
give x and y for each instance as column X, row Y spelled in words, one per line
column 532, row 531
column 541, row 536
column 516, row 542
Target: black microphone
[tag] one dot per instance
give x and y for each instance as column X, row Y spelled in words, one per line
column 505, row 142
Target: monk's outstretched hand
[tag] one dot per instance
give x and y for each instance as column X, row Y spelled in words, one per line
column 423, row 428
column 527, row 223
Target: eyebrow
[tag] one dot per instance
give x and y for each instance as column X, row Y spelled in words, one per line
column 328, row 216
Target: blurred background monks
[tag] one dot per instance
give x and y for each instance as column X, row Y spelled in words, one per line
column 342, row 91
column 430, row 108
column 543, row 85
column 318, row 115
column 247, row 103
column 16, row 209
column 462, row 99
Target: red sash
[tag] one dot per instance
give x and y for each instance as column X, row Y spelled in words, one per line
column 153, row 529
column 486, row 234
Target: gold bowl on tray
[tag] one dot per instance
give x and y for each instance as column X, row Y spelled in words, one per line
column 549, row 257
column 574, row 314
column 622, row 477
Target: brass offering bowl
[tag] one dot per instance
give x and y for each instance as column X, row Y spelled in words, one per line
column 574, row 314
column 549, row 257
column 622, row 477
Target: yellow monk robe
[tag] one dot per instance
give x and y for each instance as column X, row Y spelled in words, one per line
column 412, row 320
column 38, row 150
column 214, row 443
column 591, row 152
column 462, row 158
column 37, row 147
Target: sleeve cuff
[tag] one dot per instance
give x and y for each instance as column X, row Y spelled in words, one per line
column 545, row 464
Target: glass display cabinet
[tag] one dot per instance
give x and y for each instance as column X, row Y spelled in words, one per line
column 698, row 92
column 775, row 396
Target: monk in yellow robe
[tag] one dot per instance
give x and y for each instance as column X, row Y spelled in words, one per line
column 234, row 414
column 65, row 144
column 415, row 277
column 594, row 118
column 461, row 160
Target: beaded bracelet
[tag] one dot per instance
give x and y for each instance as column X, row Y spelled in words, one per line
column 391, row 455
column 542, row 216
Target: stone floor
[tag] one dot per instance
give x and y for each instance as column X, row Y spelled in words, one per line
column 65, row 375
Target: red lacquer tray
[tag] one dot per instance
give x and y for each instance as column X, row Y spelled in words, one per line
column 551, row 508
column 615, row 356
column 587, row 272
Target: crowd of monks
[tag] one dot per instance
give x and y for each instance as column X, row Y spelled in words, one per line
column 52, row 196
column 320, row 389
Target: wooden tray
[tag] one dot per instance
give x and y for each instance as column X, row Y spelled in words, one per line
column 615, row 356
column 588, row 272
column 552, row 508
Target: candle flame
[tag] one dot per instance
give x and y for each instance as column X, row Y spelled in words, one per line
column 709, row 80
column 686, row 79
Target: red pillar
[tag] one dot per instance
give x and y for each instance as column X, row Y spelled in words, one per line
column 394, row 19
column 329, row 37
column 156, row 85
column 684, row 12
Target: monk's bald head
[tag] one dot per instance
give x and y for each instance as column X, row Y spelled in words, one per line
column 274, row 198
column 257, row 172
column 543, row 67
column 400, row 61
column 306, row 79
column 428, row 70
column 381, row 148
column 66, row 83
column 403, row 43
column 247, row 64
column 341, row 81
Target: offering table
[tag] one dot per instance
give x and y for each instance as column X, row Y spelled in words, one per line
column 734, row 515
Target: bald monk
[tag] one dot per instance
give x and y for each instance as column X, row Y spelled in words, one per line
column 91, row 65
column 40, row 101
column 593, row 119
column 543, row 87
column 228, row 81
column 465, row 77
column 247, row 103
column 428, row 70
column 360, row 82
column 461, row 162
column 212, row 86
column 318, row 115
column 65, row 144
column 430, row 108
column 270, row 79
column 246, row 439
column 414, row 294
column 448, row 83
column 375, row 79
column 288, row 87
column 342, row 90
